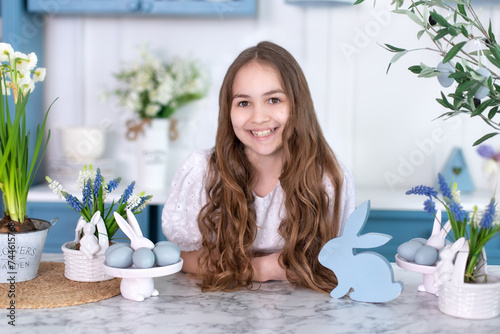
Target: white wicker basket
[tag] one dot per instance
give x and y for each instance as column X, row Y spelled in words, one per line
column 470, row 300
column 77, row 266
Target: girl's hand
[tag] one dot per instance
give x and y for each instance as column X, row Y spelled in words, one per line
column 268, row 268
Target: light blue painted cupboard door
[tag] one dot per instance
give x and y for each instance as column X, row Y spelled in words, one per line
column 83, row 6
column 221, row 8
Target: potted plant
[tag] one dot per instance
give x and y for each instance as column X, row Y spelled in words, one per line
column 21, row 238
column 470, row 57
column 154, row 90
column 477, row 228
column 96, row 226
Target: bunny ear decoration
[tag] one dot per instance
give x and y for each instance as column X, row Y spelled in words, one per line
column 357, row 220
column 126, row 228
column 79, row 226
column 133, row 222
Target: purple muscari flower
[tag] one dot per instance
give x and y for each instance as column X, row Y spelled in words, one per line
column 113, row 184
column 422, row 190
column 457, row 211
column 127, row 193
column 443, row 186
column 486, row 151
column 489, row 214
column 430, row 206
column 87, row 194
column 73, row 201
column 97, row 183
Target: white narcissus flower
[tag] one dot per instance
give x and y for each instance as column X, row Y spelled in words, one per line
column 32, row 60
column 25, row 88
column 24, row 77
column 6, row 50
column 39, row 74
column 21, row 61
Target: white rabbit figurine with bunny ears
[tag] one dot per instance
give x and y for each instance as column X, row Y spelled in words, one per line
column 369, row 274
column 135, row 288
column 133, row 231
column 89, row 244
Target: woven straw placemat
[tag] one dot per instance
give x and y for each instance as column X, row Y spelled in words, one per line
column 51, row 289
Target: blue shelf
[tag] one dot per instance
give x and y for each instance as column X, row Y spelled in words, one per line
column 146, row 7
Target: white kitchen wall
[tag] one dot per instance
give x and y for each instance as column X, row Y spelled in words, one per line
column 381, row 125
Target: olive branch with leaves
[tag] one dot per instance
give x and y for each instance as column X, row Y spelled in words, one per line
column 451, row 25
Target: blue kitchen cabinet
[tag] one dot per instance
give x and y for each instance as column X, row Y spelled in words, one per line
column 406, row 225
column 145, row 7
column 64, row 229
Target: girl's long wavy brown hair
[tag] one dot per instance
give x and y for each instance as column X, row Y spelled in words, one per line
column 228, row 221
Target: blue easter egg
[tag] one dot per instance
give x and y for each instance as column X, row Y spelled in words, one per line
column 408, row 249
column 167, row 254
column 143, row 258
column 426, row 255
column 483, row 91
column 113, row 246
column 423, row 241
column 446, row 69
column 119, row 257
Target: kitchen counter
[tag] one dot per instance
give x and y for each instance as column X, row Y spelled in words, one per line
column 276, row 307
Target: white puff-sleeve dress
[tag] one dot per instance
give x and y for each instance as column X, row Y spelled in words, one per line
column 187, row 196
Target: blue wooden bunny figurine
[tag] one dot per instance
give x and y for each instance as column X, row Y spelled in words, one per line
column 369, row 274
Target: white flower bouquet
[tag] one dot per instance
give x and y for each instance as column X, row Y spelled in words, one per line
column 155, row 89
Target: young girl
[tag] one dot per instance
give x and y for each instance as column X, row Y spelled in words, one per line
column 262, row 203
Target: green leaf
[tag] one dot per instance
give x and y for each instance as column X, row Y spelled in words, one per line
column 464, row 31
column 444, row 102
column 441, row 33
column 458, row 75
column 358, row 2
column 420, row 33
column 461, row 10
column 465, row 86
column 395, row 59
column 393, row 48
column 480, row 108
column 492, row 112
column 415, row 69
column 439, row 19
column 491, row 34
column 453, row 51
column 495, row 51
column 484, row 138
column 411, row 15
column 416, row 4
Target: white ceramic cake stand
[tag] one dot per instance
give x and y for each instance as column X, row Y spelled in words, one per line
column 427, row 271
column 137, row 284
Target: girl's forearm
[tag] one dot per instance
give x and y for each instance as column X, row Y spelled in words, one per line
column 190, row 264
column 265, row 268
column 268, row 268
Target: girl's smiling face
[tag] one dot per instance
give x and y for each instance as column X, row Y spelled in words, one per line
column 259, row 109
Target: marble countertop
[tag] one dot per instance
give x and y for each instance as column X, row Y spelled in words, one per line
column 276, row 307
